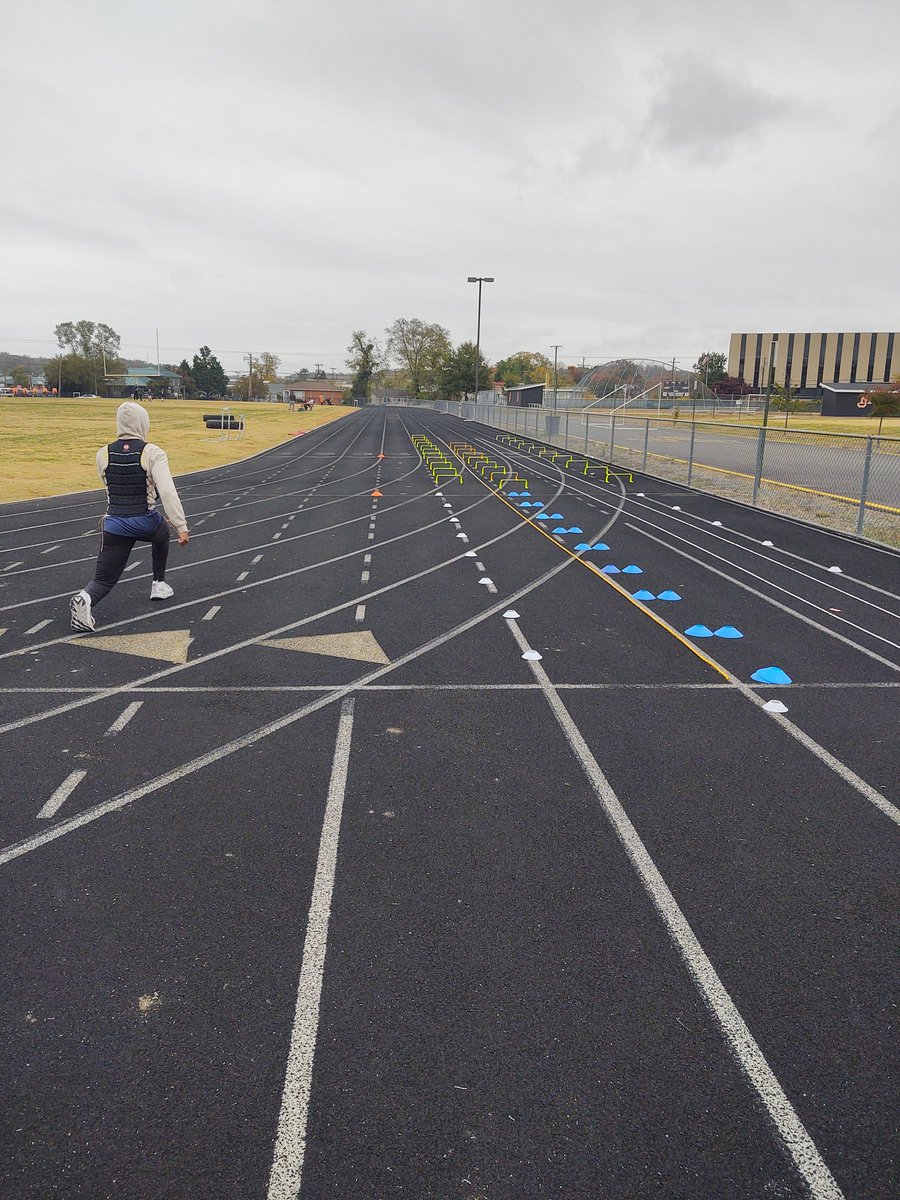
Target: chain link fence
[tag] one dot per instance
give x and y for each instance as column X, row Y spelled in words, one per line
column 848, row 482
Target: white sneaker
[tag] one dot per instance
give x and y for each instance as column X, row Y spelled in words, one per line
column 160, row 590
column 82, row 617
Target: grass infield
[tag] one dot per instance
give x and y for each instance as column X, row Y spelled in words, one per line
column 48, row 446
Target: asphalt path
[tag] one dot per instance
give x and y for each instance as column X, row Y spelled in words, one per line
column 833, row 465
column 406, row 852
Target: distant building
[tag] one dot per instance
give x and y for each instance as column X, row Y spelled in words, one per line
column 530, row 395
column 806, row 361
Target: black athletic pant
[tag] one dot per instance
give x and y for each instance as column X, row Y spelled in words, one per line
column 113, row 556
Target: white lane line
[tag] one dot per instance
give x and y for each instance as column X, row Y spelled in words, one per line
column 479, row 566
column 371, row 537
column 275, row 537
column 290, row 1140
column 62, row 793
column 254, row 561
column 364, row 578
column 40, row 625
column 360, row 612
column 201, row 522
column 285, row 525
column 120, row 722
column 291, row 518
column 740, row 1040
column 212, row 612
column 49, row 548
column 243, row 575
column 489, row 584
column 367, row 558
column 133, row 566
column 15, row 564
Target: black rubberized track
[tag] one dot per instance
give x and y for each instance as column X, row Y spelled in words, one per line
column 441, row 921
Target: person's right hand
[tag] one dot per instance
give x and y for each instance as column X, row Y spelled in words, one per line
column 183, row 538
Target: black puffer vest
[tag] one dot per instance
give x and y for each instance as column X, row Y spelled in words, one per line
column 126, row 479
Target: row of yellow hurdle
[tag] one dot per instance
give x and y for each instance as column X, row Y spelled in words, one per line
column 575, row 461
column 487, row 467
column 437, row 462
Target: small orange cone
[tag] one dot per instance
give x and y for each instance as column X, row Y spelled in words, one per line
column 381, row 456
column 377, row 493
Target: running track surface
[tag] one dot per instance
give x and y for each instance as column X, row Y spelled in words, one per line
column 440, row 921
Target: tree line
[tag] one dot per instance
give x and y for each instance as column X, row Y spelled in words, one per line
column 418, row 358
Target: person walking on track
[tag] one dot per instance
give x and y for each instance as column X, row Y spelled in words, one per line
column 135, row 472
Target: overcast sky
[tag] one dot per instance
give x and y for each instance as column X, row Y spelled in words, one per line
column 642, row 177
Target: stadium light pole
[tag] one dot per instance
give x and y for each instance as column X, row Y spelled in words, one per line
column 479, row 279
column 556, row 350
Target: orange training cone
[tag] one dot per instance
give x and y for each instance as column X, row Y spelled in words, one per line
column 377, row 493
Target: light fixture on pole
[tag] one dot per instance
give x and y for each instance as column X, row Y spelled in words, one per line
column 556, row 350
column 479, row 279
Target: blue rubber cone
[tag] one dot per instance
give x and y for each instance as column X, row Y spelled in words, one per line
column 771, row 675
column 609, row 569
column 699, row 631
column 668, row 594
column 728, row 631
column 643, row 595
column 632, row 570
column 575, row 529
column 600, row 546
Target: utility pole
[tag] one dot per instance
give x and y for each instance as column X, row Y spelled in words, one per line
column 479, row 279
column 250, row 378
column 556, row 350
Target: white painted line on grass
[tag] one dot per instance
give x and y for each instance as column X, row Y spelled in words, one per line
column 40, row 625
column 62, row 793
column 360, row 612
column 49, row 548
column 290, row 1140
column 243, row 575
column 741, row 1042
column 120, row 722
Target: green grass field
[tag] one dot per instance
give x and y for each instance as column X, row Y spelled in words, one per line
column 47, row 446
column 862, row 426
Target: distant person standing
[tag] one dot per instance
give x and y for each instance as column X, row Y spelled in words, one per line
column 134, row 472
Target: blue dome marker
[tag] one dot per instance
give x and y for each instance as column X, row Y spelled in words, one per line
column 771, row 675
column 557, row 517
column 699, row 631
column 643, row 594
column 575, row 529
column 542, row 517
column 632, row 570
column 512, row 493
column 524, row 493
column 610, row 570
column 600, row 546
column 728, row 631
column 668, row 594
column 560, row 529
column 582, row 546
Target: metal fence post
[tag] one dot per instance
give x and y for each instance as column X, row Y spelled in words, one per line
column 612, row 437
column 646, row 440
column 863, row 491
column 586, row 427
column 566, row 433
column 691, row 452
column 760, row 451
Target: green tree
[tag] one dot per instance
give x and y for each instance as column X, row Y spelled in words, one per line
column 252, row 384
column 710, row 367
column 885, row 402
column 208, row 374
column 364, row 361
column 525, row 366
column 456, row 376
column 419, row 348
column 93, row 352
column 188, row 383
column 20, row 377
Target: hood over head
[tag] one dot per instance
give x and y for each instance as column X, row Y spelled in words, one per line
column 132, row 420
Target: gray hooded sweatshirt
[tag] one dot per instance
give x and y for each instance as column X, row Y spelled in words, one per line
column 133, row 420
